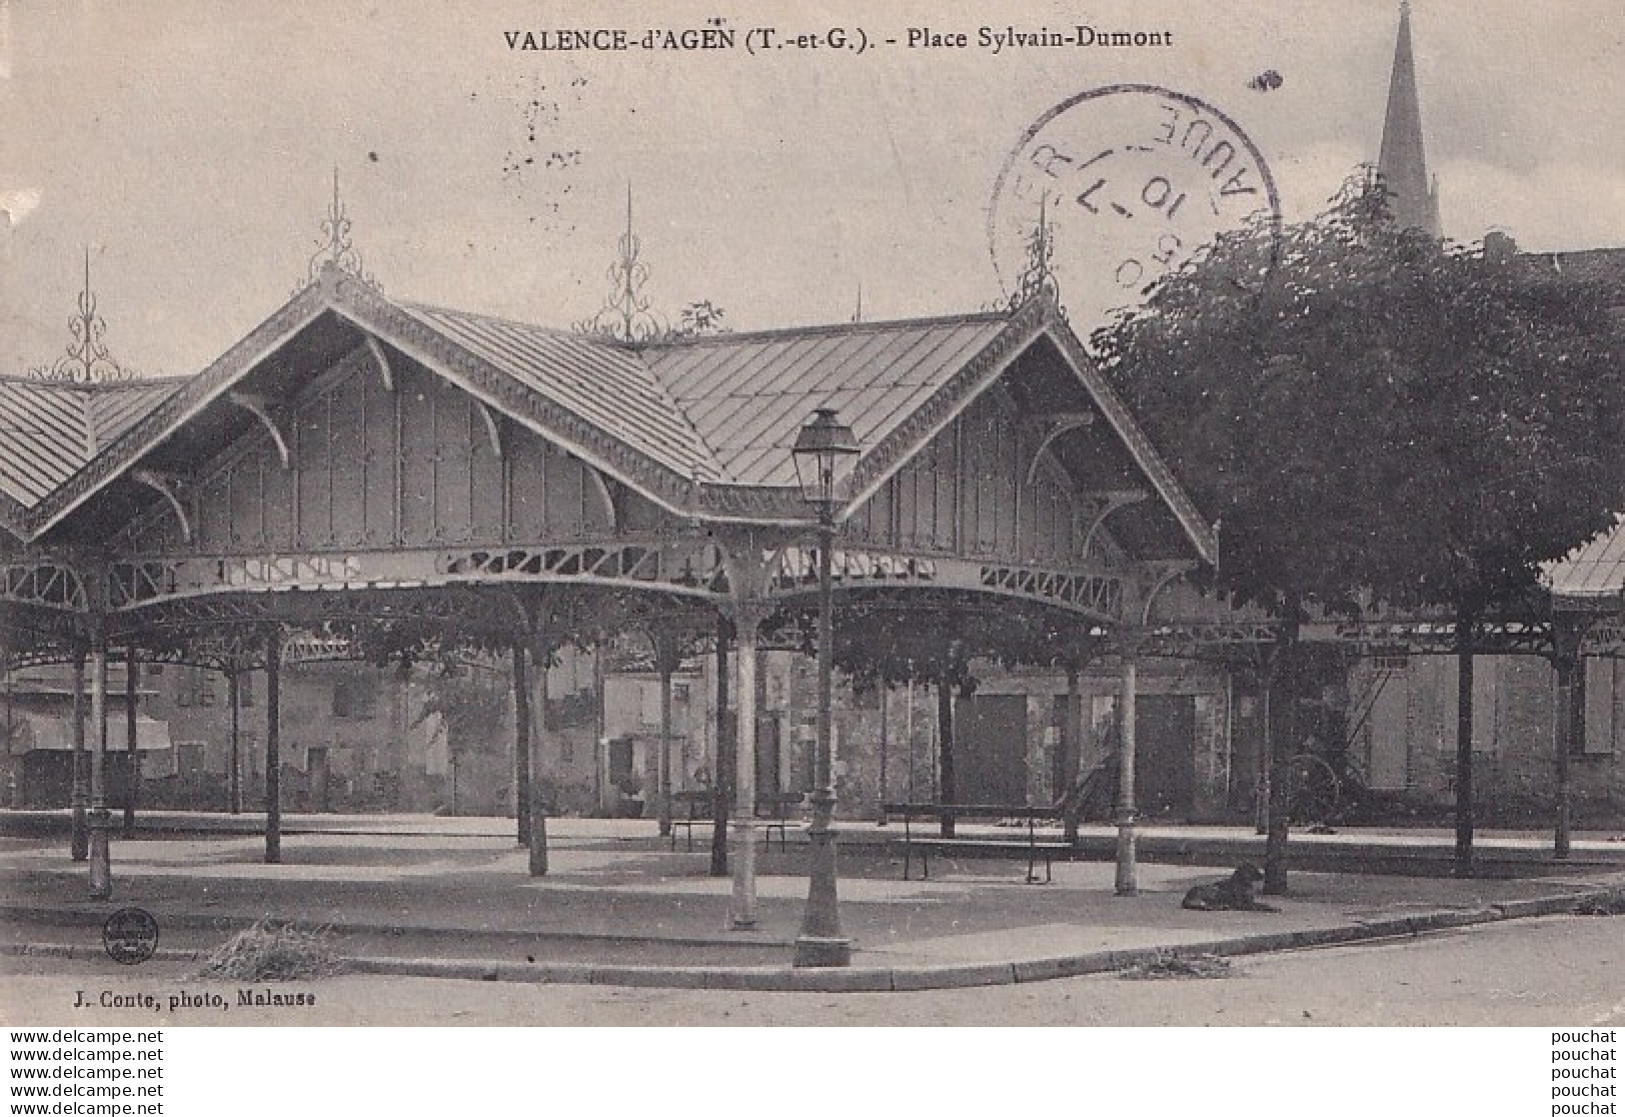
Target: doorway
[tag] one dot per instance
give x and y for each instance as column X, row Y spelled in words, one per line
column 1165, row 755
column 990, row 748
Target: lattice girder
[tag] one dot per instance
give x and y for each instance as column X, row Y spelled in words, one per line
column 45, row 583
column 1097, row 594
column 685, row 567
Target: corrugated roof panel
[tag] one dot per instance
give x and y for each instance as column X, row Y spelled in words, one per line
column 49, row 430
column 1595, row 570
column 605, row 384
column 749, row 394
column 42, row 438
column 115, row 408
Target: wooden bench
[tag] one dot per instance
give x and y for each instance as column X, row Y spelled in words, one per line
column 1035, row 848
column 698, row 808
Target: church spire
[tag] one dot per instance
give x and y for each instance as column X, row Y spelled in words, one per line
column 1402, row 163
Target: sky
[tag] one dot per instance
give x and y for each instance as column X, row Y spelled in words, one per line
column 190, row 145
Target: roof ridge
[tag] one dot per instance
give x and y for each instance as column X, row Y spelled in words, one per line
column 97, row 385
column 554, row 331
column 959, row 319
column 964, row 319
column 718, row 463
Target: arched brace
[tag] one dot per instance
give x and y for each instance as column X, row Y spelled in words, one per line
column 255, row 406
column 165, row 487
column 1107, row 503
column 384, row 370
column 1054, row 427
column 493, row 428
column 1166, row 574
column 605, row 493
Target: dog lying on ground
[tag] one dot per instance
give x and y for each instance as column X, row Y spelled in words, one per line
column 1234, row 893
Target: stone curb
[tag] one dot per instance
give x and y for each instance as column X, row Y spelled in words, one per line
column 873, row 979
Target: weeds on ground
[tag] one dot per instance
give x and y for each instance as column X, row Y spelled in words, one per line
column 275, row 952
column 1168, row 965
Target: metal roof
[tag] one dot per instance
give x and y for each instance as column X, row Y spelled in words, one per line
column 1594, row 570
column 606, row 384
column 50, row 429
column 748, row 394
column 727, row 408
column 706, row 422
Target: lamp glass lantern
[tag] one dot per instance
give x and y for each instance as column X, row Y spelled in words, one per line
column 821, row 445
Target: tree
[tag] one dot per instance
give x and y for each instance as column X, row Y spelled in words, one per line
column 701, row 319
column 472, row 704
column 1379, row 419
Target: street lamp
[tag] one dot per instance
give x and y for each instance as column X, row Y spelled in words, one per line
column 820, row 448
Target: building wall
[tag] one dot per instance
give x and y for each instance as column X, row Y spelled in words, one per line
column 381, row 754
column 1407, row 743
column 371, row 466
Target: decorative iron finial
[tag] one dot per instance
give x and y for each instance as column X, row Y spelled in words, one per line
column 1037, row 278
column 335, row 247
column 87, row 360
column 625, row 315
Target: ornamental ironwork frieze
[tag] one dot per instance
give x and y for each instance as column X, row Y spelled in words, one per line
column 1099, row 595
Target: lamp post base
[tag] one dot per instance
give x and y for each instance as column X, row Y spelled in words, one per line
column 1127, row 874
column 101, row 868
column 821, row 942
column 814, row 953
column 538, row 842
column 79, row 846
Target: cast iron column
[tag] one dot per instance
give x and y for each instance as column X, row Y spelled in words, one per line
column 273, row 745
column 1127, row 884
column 1567, row 664
column 234, row 778
column 666, row 659
column 1465, row 807
column 130, row 679
column 722, row 769
column 80, row 844
column 524, row 748
column 742, row 912
column 522, row 796
column 101, row 869
column 1072, row 751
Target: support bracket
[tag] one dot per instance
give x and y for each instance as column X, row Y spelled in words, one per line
column 377, row 350
column 255, row 406
column 1162, row 575
column 1105, row 504
column 1053, row 427
column 492, row 428
column 165, row 486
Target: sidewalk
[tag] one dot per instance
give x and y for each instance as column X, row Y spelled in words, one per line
column 452, row 897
